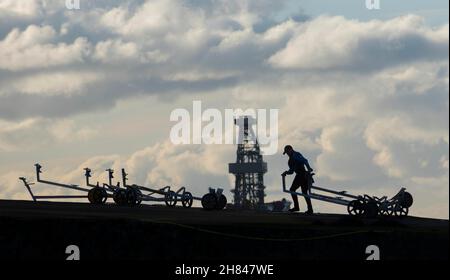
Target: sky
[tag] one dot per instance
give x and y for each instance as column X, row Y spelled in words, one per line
column 363, row 94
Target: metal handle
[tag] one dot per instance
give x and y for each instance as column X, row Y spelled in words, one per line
column 283, row 179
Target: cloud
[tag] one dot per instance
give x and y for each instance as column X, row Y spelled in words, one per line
column 32, row 133
column 26, row 8
column 32, row 48
column 336, row 43
column 49, row 84
column 404, row 149
column 188, row 47
column 11, row 188
column 115, row 50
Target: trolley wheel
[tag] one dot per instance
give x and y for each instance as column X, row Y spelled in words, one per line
column 388, row 211
column 138, row 196
column 355, row 208
column 170, row 198
column 209, row 201
column 105, row 196
column 407, row 200
column 400, row 211
column 371, row 209
column 120, row 197
column 221, row 202
column 97, row 195
column 131, row 196
column 91, row 196
column 187, row 200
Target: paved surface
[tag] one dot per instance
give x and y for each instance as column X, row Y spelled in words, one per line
column 42, row 230
column 196, row 216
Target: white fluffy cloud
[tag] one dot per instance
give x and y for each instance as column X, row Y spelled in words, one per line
column 33, row 48
column 20, row 8
column 420, row 146
column 338, row 43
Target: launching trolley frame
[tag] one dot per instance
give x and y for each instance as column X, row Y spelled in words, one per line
column 127, row 194
column 358, row 205
column 57, row 184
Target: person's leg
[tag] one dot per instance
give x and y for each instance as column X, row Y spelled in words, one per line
column 294, row 187
column 305, row 189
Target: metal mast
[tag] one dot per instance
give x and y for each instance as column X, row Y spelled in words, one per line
column 248, row 169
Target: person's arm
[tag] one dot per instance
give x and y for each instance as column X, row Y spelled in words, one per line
column 308, row 166
column 290, row 171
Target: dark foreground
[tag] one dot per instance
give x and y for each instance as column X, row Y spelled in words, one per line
column 39, row 231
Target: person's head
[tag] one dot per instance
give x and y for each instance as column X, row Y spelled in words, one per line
column 288, row 150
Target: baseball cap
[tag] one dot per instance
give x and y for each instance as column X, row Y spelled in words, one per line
column 287, row 148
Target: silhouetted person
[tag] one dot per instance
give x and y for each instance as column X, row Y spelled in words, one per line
column 297, row 164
